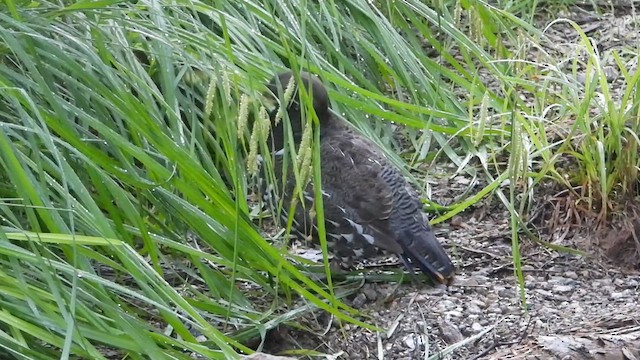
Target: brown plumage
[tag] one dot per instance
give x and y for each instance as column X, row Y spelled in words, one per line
column 368, row 205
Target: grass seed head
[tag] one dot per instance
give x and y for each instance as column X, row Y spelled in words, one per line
column 211, row 95
column 243, row 114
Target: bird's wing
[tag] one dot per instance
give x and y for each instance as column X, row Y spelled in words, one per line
column 377, row 205
column 362, row 201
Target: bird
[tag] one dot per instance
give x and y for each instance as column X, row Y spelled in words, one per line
column 368, row 205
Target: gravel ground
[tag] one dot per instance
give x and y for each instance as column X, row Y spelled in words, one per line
column 565, row 296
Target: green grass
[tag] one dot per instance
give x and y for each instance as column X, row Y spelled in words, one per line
column 120, row 153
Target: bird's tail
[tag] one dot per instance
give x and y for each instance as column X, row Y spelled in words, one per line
column 425, row 251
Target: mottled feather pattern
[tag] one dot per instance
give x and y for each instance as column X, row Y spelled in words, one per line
column 348, row 239
column 368, row 205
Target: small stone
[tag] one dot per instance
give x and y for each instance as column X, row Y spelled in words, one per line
column 359, row 301
column 371, row 293
column 527, row 267
column 607, row 289
column 610, row 73
column 571, row 275
column 450, row 332
column 544, row 293
column 435, row 291
column 618, row 295
column 472, row 281
column 447, row 304
column 473, row 309
column 476, row 327
column 457, row 221
column 462, row 180
column 548, row 311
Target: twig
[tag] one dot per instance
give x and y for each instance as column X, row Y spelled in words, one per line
column 480, row 252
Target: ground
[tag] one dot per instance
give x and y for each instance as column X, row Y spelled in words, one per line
column 575, row 307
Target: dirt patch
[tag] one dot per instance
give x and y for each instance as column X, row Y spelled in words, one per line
column 621, row 240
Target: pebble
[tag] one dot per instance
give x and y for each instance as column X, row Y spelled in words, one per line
column 618, row 295
column 472, row 281
column 473, row 309
column 435, row 291
column 571, row 275
column 371, row 293
column 462, row 180
column 359, row 301
column 450, row 332
column 548, row 311
column 447, row 304
column 544, row 293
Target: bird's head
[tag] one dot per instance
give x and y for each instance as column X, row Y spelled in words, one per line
column 284, row 86
column 284, row 94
